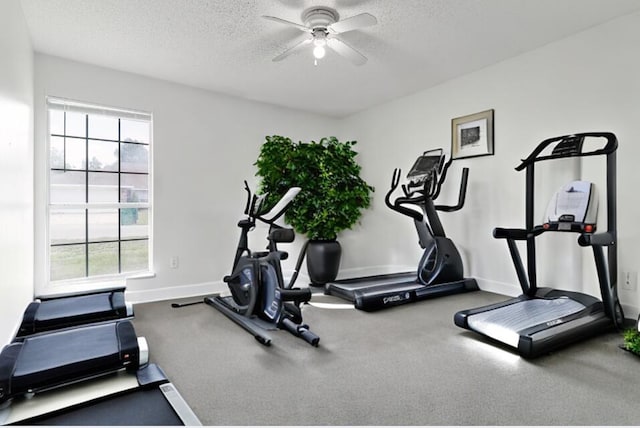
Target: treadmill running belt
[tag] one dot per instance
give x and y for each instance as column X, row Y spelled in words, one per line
column 505, row 323
column 81, row 305
column 140, row 407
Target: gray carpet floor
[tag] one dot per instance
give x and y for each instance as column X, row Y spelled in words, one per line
column 408, row 365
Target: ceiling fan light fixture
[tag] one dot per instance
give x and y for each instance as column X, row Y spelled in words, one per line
column 319, row 52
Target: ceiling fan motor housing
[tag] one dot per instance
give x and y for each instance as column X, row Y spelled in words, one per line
column 319, row 17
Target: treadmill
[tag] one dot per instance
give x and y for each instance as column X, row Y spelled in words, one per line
column 146, row 397
column 544, row 319
column 440, row 270
column 53, row 359
column 93, row 374
column 62, row 311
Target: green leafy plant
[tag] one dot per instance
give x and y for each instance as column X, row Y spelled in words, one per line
column 333, row 195
column 632, row 340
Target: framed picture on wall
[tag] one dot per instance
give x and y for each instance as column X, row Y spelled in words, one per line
column 472, row 135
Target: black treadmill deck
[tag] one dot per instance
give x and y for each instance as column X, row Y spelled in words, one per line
column 382, row 291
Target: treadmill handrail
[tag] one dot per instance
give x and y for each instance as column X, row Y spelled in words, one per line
column 610, row 147
column 443, row 176
column 461, row 195
column 395, row 181
column 597, row 239
column 418, row 200
column 516, row 234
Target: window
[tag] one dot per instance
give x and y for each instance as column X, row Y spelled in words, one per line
column 99, row 191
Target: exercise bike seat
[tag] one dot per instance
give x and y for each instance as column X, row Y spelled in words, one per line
column 48, row 360
column 46, row 314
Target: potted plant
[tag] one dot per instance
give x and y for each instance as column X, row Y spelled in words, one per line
column 632, row 341
column 331, row 200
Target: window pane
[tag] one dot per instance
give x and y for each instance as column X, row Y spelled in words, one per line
column 103, row 187
column 103, row 127
column 135, row 188
column 103, row 155
column 66, row 226
column 56, row 152
column 134, row 157
column 67, row 262
column 134, row 130
column 103, row 258
column 135, row 255
column 56, row 122
column 76, row 153
column 104, row 160
column 134, row 223
column 103, row 225
column 76, row 124
column 67, row 186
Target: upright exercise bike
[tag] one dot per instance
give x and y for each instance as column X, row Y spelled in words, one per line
column 260, row 300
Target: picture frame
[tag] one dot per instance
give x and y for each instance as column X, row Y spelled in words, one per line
column 472, row 135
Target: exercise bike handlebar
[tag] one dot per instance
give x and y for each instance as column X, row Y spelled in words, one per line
column 280, row 207
column 251, row 199
column 254, row 203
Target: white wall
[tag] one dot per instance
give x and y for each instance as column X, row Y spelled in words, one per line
column 204, row 146
column 206, row 143
column 587, row 82
column 16, row 168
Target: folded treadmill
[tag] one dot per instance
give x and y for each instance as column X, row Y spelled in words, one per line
column 52, row 359
column 544, row 319
column 54, row 313
column 145, row 397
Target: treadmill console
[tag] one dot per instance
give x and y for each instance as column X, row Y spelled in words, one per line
column 426, row 167
column 569, row 146
column 573, row 208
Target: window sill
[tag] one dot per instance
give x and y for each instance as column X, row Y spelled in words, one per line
column 95, row 284
column 145, row 275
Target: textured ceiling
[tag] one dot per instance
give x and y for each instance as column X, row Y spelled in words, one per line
column 225, row 45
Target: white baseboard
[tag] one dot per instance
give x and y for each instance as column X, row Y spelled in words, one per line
column 506, row 289
column 210, row 288
column 176, row 292
column 492, row 286
column 373, row 270
column 630, row 312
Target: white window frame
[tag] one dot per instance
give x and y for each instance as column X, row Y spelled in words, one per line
column 88, row 283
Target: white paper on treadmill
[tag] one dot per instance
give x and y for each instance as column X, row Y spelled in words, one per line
column 571, row 199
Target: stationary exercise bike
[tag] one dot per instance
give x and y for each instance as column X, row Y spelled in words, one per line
column 260, row 300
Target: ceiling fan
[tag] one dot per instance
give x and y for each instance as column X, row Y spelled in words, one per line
column 323, row 25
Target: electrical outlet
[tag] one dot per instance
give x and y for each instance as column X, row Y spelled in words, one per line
column 174, row 262
column 630, row 281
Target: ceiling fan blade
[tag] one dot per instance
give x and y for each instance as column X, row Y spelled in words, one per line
column 353, row 23
column 292, row 24
column 293, row 49
column 346, row 51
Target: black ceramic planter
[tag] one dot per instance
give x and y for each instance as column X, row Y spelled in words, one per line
column 323, row 261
